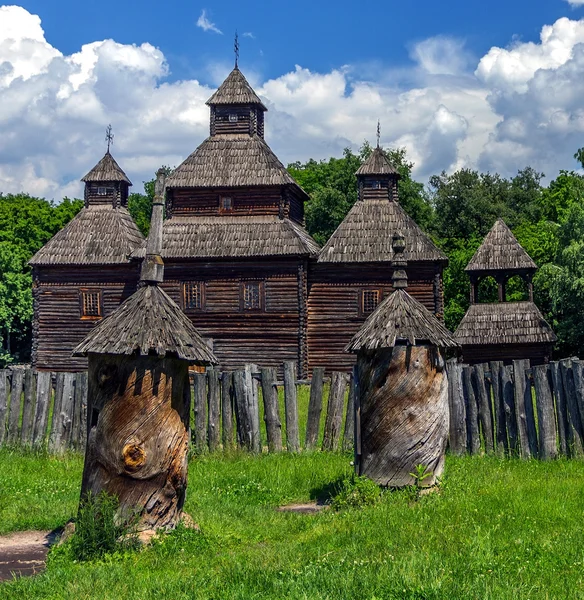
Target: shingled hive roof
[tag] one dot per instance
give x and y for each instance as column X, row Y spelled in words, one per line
column 377, row 164
column 231, row 161
column 500, row 251
column 107, row 169
column 240, row 237
column 97, row 235
column 401, row 318
column 148, row 322
column 365, row 235
column 504, row 323
column 235, row 90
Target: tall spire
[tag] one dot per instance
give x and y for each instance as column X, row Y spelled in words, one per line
column 109, row 137
column 399, row 278
column 378, row 132
column 236, row 49
column 153, row 266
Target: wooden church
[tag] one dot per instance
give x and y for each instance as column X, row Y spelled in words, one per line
column 238, row 260
column 503, row 330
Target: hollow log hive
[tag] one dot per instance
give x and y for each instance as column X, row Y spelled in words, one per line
column 138, row 396
column 402, row 397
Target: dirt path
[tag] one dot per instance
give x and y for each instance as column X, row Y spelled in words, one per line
column 23, row 553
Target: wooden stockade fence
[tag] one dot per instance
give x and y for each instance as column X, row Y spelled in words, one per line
column 514, row 410
column 49, row 410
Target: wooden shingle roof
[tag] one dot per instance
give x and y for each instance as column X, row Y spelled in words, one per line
column 377, row 164
column 97, row 235
column 500, row 251
column 235, row 237
column 107, row 169
column 231, row 161
column 401, row 319
column 148, row 322
column 504, row 323
column 235, row 90
column 365, row 235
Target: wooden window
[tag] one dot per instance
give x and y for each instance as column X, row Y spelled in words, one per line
column 104, row 191
column 90, row 304
column 232, row 118
column 193, row 295
column 369, row 301
column 226, row 204
column 252, row 295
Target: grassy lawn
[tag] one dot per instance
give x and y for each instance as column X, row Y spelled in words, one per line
column 498, row 529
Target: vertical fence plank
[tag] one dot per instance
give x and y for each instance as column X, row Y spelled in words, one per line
column 79, row 436
column 252, row 397
column 66, row 417
column 43, row 401
column 545, row 413
column 357, row 395
column 242, row 414
column 271, row 409
column 29, row 406
column 334, row 414
column 508, row 394
column 314, row 408
column 59, row 381
column 578, row 390
column 4, row 387
column 349, row 417
column 214, row 397
column 457, row 429
column 15, row 406
column 200, row 410
column 561, row 408
column 484, row 406
column 501, row 443
column 574, row 419
column 470, row 402
column 291, row 405
column 524, row 409
column 227, row 409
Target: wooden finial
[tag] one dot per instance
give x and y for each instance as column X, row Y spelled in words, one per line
column 378, row 132
column 153, row 266
column 236, row 49
column 109, row 137
column 400, row 277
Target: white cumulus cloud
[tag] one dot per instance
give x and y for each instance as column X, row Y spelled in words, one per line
column 515, row 106
column 575, row 2
column 206, row 25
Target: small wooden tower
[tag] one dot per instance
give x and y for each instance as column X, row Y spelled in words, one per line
column 139, row 399
column 503, row 330
column 83, row 273
column 403, row 390
column 353, row 273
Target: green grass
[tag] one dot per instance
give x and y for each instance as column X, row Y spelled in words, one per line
column 498, row 529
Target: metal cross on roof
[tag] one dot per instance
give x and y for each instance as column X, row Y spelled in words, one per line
column 236, row 48
column 109, row 137
column 378, row 132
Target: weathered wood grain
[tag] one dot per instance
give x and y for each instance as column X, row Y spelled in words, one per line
column 4, row 390
column 349, row 432
column 252, row 398
column 291, row 405
column 484, row 407
column 357, row 392
column 43, row 401
column 501, row 442
column 15, row 406
column 200, row 411
column 271, row 409
column 457, row 410
column 545, row 412
column 28, row 407
column 561, row 408
column 334, row 413
column 227, row 409
column 314, row 408
column 214, row 403
column 575, row 432
column 242, row 410
column 470, row 402
column 508, row 392
column 57, row 404
column 524, row 410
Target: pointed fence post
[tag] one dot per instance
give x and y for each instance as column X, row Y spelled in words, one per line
column 271, row 409
column 501, row 443
column 472, row 423
column 314, row 408
column 227, row 409
column 4, row 388
column 291, row 405
column 334, row 414
column 29, row 406
column 484, row 405
column 43, row 401
column 15, row 406
column 214, row 395
column 545, row 412
column 348, row 436
column 200, row 412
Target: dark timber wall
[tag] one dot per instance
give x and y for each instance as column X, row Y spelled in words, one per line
column 57, row 316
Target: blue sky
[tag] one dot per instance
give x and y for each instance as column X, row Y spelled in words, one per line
column 494, row 86
column 314, row 34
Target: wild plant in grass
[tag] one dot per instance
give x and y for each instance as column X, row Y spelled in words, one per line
column 355, row 492
column 98, row 531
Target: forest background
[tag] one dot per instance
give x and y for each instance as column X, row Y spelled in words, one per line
column 456, row 210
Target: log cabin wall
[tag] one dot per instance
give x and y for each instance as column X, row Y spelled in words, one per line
column 538, row 354
column 335, row 311
column 58, row 324
column 268, row 336
column 111, row 193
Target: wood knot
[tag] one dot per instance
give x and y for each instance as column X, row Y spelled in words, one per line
column 134, row 457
